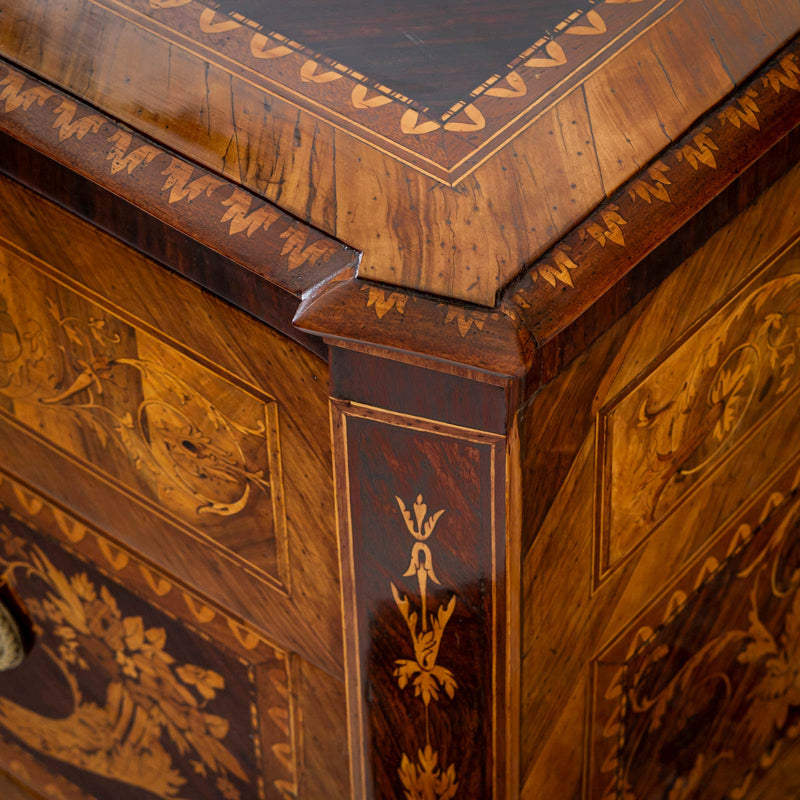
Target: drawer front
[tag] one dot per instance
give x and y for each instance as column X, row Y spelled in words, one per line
column 111, row 392
column 138, row 391
column 136, row 687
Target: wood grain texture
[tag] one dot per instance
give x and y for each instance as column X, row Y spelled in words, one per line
column 24, row 769
column 533, row 304
column 12, row 790
column 651, row 479
column 464, row 238
column 138, row 390
column 602, row 607
column 434, row 55
column 243, row 288
column 667, row 193
column 353, row 312
column 384, row 383
column 623, row 250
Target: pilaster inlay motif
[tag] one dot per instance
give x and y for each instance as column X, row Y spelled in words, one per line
column 425, row 778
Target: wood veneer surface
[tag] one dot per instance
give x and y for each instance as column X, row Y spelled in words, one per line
column 136, row 686
column 434, row 53
column 11, row 790
column 202, row 439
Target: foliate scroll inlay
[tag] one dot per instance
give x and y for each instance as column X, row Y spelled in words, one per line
column 112, row 393
column 134, row 682
column 677, row 424
column 129, row 723
column 120, row 692
column 720, row 644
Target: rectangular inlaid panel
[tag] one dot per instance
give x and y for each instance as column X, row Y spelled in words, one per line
column 182, row 427
column 698, row 407
column 142, row 412
column 135, row 687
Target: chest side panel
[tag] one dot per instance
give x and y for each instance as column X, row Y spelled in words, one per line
column 661, row 657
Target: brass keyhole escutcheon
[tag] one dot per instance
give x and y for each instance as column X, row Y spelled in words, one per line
column 12, row 645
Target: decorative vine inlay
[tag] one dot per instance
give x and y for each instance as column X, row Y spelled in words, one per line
column 256, row 232
column 140, row 411
column 424, row 779
column 424, row 560
column 30, row 517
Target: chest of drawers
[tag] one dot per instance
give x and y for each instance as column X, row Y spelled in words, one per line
column 400, row 402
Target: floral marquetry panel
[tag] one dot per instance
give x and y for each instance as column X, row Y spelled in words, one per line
column 112, row 393
column 700, row 693
column 659, row 650
column 400, row 400
column 697, row 407
column 134, row 688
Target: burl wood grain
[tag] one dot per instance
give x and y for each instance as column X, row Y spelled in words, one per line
column 660, row 583
column 457, row 204
column 194, row 434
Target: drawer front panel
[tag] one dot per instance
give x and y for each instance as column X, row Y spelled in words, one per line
column 122, row 695
column 137, row 687
column 697, row 691
column 111, row 393
column 700, row 691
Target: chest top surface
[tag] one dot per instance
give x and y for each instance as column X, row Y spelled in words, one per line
column 452, row 143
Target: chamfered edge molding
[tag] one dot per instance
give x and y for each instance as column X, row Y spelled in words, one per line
column 587, row 276
column 217, row 233
column 264, row 253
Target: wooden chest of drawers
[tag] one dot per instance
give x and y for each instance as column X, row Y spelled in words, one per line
column 400, row 403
